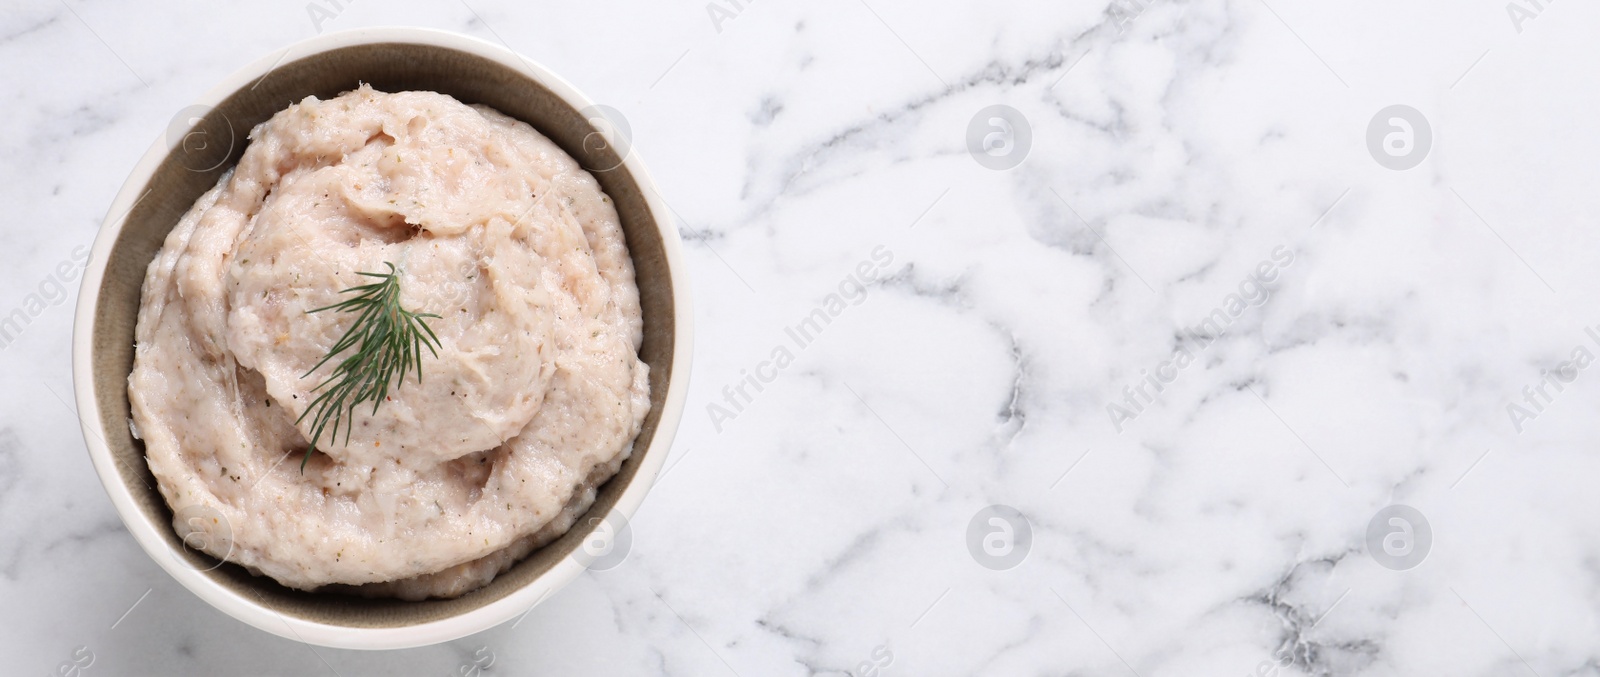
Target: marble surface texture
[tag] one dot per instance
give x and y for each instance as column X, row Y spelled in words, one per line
column 1195, row 305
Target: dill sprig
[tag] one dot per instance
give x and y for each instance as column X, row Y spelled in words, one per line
column 388, row 342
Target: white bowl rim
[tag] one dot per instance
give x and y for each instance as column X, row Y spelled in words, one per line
column 151, row 536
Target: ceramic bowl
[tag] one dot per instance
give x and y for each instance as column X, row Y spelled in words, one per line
column 205, row 140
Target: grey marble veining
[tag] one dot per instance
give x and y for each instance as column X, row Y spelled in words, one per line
column 1189, row 307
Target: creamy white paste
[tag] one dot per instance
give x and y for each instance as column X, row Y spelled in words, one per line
column 533, row 401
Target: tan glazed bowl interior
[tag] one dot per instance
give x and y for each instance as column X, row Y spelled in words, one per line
column 206, row 141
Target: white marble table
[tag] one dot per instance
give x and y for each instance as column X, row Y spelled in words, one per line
column 1183, row 311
